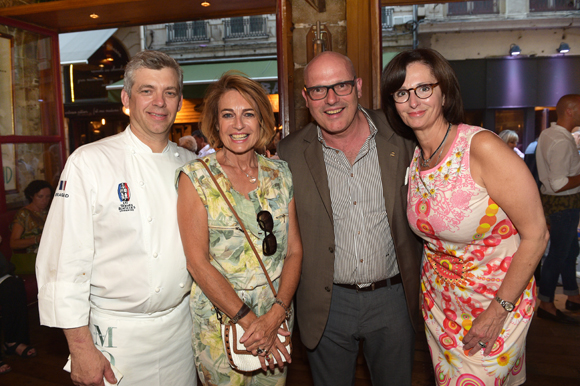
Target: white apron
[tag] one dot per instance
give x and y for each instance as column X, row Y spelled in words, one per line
column 149, row 350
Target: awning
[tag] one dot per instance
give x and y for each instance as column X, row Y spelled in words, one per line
column 77, row 47
column 196, row 77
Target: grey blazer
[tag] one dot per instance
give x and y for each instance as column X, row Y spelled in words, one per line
column 303, row 152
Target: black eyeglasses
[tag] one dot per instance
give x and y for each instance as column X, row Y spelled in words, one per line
column 423, row 91
column 317, row 93
column 266, row 222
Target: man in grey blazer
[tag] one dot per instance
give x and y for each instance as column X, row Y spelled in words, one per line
column 360, row 273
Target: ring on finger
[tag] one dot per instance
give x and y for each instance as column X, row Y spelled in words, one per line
column 483, row 345
column 260, row 351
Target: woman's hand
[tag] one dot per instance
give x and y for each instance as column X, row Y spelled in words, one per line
column 486, row 328
column 262, row 333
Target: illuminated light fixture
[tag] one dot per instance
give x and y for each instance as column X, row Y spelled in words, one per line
column 205, row 4
column 564, row 48
column 515, row 50
column 110, row 59
column 103, row 122
column 94, row 16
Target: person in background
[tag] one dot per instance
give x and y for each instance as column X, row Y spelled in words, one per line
column 238, row 119
column 360, row 281
column 511, row 139
column 203, row 148
column 29, row 221
column 111, row 269
column 13, row 314
column 558, row 165
column 474, row 203
column 188, row 142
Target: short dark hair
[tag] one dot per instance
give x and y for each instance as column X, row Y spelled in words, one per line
column 252, row 92
column 394, row 76
column 199, row 134
column 35, row 187
column 152, row 60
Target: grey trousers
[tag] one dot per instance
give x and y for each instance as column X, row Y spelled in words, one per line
column 381, row 321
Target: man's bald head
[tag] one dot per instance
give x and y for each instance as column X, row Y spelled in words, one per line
column 327, row 59
column 568, row 110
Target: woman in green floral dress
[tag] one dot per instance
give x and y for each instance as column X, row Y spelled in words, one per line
column 239, row 120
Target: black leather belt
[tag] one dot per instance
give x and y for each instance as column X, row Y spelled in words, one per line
column 376, row 285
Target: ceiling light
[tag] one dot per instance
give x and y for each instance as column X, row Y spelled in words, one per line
column 94, row 16
column 205, row 4
column 564, row 48
column 515, row 50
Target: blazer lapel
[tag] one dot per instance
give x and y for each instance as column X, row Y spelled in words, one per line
column 315, row 161
column 389, row 158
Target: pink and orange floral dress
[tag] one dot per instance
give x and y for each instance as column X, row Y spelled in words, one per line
column 468, row 246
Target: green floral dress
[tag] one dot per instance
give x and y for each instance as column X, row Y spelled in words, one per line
column 32, row 223
column 232, row 256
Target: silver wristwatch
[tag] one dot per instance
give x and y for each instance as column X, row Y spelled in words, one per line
column 509, row 307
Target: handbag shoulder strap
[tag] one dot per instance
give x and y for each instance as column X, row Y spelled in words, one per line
column 241, row 225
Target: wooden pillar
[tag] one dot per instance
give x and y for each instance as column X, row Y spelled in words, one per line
column 285, row 53
column 364, row 47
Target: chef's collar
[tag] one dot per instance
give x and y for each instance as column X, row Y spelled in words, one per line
column 138, row 145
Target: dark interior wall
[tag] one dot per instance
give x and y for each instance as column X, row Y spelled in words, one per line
column 517, row 82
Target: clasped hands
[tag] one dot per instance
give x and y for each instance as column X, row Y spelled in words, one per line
column 261, row 337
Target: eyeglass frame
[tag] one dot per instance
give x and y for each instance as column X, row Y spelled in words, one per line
column 332, row 86
column 262, row 223
column 414, row 89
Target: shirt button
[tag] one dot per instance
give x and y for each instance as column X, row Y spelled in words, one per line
column 149, row 219
column 141, row 183
column 157, row 289
column 351, row 174
column 355, row 203
column 155, row 255
column 361, row 260
column 181, row 285
column 177, row 154
column 133, row 151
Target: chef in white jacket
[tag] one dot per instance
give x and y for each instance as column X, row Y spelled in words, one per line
column 111, row 268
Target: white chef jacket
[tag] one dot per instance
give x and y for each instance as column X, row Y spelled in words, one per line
column 111, row 239
column 557, row 159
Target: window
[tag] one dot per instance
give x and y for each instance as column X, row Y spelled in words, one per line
column 472, row 8
column 244, row 27
column 387, row 18
column 554, row 5
column 31, row 124
column 186, row 32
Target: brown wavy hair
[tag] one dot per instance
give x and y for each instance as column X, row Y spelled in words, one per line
column 252, row 92
column 394, row 76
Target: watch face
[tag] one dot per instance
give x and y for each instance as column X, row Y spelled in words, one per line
column 509, row 307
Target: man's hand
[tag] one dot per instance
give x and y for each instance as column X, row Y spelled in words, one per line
column 88, row 365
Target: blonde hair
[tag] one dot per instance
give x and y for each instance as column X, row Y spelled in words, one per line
column 252, row 92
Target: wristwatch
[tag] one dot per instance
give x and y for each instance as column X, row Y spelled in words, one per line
column 287, row 310
column 509, row 307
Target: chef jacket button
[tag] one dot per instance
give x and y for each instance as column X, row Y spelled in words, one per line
column 157, row 289
column 181, row 285
column 176, row 154
column 141, row 183
column 149, row 219
column 155, row 255
column 133, row 151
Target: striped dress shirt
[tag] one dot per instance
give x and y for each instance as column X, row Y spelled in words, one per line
column 364, row 249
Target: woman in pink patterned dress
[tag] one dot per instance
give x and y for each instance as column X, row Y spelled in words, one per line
column 477, row 208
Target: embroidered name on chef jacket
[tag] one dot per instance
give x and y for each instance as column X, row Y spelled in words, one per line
column 61, row 188
column 124, row 194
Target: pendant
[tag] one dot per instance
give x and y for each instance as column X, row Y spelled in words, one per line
column 252, row 179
